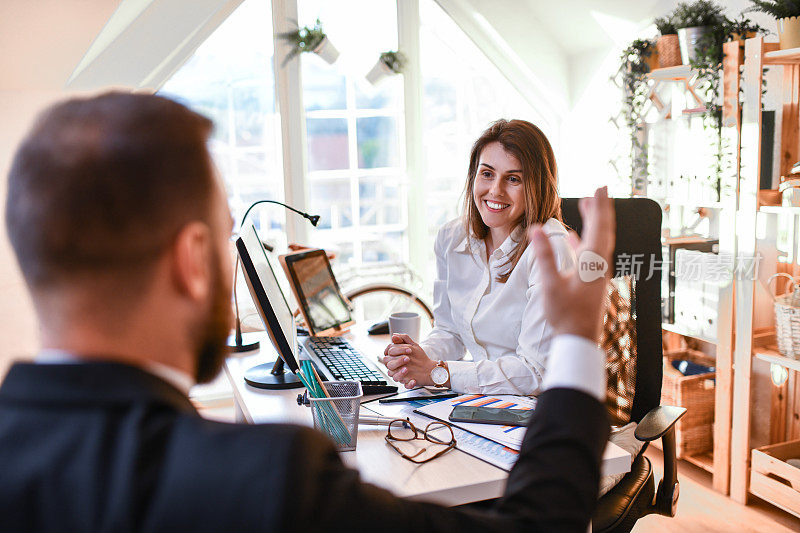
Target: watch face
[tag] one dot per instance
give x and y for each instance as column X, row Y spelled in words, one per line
column 439, row 375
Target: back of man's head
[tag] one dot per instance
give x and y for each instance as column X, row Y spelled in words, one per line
column 100, row 187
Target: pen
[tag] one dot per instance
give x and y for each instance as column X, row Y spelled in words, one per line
column 378, row 420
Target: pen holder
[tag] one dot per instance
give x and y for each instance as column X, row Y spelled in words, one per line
column 337, row 416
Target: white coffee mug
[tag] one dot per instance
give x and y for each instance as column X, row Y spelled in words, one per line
column 405, row 322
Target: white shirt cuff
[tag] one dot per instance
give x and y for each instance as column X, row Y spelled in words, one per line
column 463, row 376
column 576, row 363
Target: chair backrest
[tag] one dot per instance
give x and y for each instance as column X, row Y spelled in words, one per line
column 636, row 296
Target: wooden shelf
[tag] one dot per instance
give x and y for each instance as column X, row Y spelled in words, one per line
column 703, row 460
column 680, row 331
column 779, row 209
column 678, row 73
column 770, row 354
column 790, row 56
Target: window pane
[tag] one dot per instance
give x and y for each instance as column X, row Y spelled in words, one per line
column 353, row 125
column 252, row 106
column 330, row 199
column 327, row 144
column 229, row 79
column 387, row 94
column 380, row 202
column 387, row 249
column 323, row 85
column 462, row 93
column 377, row 142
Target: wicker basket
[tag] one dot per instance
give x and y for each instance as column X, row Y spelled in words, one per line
column 669, row 51
column 787, row 319
column 694, row 433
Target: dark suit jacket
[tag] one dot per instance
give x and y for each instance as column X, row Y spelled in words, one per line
column 108, row 447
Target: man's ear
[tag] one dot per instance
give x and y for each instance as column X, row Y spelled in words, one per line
column 191, row 253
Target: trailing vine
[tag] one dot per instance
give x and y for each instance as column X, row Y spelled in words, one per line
column 635, row 89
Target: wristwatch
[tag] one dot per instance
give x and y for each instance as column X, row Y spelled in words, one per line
column 440, row 374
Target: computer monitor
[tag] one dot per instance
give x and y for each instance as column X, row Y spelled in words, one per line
column 275, row 312
column 322, row 303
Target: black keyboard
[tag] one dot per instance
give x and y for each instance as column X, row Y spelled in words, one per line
column 345, row 364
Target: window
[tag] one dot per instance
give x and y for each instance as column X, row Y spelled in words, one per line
column 354, row 134
column 230, row 79
column 463, row 93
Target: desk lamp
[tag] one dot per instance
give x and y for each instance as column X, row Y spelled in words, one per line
column 238, row 345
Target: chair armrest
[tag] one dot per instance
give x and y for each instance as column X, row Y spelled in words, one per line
column 658, row 422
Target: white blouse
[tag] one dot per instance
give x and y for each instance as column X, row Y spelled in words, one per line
column 501, row 325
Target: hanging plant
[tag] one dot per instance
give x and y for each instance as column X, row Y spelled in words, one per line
column 707, row 63
column 388, row 63
column 314, row 40
column 635, row 91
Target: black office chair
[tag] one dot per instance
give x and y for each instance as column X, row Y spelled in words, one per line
column 632, row 338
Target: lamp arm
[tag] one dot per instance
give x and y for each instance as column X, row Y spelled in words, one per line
column 312, row 218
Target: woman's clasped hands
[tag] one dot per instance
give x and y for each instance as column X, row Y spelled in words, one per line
column 407, row 362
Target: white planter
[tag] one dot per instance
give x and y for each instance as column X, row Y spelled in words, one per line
column 378, row 72
column 327, row 51
column 688, row 39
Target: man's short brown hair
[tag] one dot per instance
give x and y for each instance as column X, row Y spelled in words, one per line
column 103, row 185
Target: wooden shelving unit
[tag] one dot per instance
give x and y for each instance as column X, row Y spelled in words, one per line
column 751, row 346
column 781, row 57
column 771, row 355
column 704, row 461
column 685, row 80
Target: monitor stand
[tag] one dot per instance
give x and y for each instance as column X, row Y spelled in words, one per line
column 272, row 376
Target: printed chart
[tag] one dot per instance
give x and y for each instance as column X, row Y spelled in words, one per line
column 484, row 449
column 509, row 436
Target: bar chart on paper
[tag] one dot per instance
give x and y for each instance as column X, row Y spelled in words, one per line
column 510, row 436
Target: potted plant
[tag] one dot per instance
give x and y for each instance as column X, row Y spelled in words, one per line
column 741, row 29
column 787, row 13
column 693, row 21
column 669, row 51
column 313, row 40
column 388, row 63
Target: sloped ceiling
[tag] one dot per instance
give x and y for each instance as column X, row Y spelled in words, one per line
column 581, row 26
column 145, row 41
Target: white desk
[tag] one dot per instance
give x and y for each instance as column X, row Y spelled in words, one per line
column 453, row 479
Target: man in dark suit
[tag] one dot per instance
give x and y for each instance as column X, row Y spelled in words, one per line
column 121, row 229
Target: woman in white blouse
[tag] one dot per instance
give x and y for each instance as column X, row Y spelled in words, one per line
column 486, row 296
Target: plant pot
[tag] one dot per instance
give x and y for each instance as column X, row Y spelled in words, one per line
column 652, row 60
column 789, row 32
column 380, row 71
column 689, row 38
column 669, row 51
column 327, row 51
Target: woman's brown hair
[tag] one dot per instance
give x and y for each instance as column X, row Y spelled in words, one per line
column 529, row 145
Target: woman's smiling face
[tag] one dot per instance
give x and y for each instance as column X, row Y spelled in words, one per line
column 498, row 191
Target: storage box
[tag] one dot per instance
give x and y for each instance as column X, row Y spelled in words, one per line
column 694, row 433
column 775, row 480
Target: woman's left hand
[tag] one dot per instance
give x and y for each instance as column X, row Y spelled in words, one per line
column 412, row 369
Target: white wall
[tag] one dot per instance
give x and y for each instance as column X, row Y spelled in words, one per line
column 42, row 41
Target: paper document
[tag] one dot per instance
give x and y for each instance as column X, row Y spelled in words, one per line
column 479, row 447
column 510, row 436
